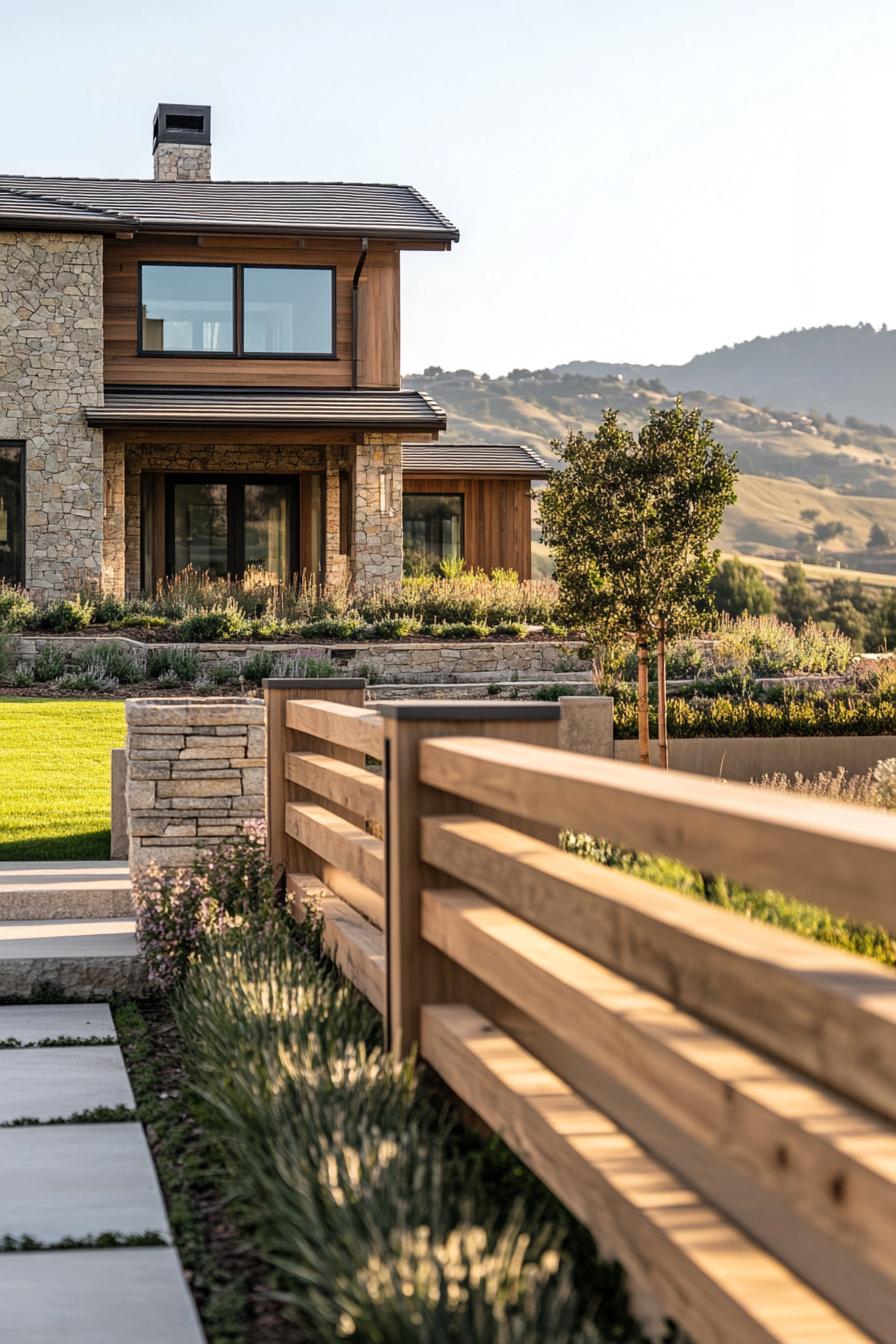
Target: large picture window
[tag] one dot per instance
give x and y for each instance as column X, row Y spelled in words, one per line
column 287, row 310
column 433, row 530
column 280, row 312
column 12, row 512
column 232, row 524
column 187, row 310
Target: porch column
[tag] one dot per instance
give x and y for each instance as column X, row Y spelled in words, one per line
column 337, row 560
column 377, row 527
column 113, row 519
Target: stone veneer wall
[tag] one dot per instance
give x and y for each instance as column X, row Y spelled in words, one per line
column 182, row 163
column 377, row 541
column 51, row 368
column 195, row 775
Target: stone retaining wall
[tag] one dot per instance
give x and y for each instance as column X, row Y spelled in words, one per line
column 195, row 775
column 404, row 662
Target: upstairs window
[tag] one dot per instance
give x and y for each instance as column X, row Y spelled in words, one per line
column 253, row 311
column 187, row 310
column 288, row 310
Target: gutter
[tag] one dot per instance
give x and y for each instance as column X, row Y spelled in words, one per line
column 356, row 280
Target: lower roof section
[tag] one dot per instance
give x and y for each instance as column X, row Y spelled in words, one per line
column 398, row 412
column 473, row 459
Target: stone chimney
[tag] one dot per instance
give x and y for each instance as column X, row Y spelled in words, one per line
column 182, row 143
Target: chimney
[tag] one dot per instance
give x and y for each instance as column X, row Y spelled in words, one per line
column 181, row 143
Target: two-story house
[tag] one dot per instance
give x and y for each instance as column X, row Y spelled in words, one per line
column 200, row 373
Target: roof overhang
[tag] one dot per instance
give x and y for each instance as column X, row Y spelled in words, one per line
column 494, row 461
column 393, row 412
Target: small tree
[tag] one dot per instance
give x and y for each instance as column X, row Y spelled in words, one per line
column 738, row 588
column 630, row 521
column 796, row 600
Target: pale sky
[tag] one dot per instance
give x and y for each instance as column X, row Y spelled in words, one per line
column 638, row 180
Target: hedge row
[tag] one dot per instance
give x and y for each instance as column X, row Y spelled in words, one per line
column 815, row 716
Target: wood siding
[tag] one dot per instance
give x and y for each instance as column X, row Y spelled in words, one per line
column 378, row 331
column 497, row 518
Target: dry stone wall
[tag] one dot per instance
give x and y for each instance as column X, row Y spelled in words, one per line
column 195, row 775
column 51, row 369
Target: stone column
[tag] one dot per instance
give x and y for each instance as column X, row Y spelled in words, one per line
column 195, row 775
column 114, row 519
column 51, row 321
column 336, row 565
column 377, row 541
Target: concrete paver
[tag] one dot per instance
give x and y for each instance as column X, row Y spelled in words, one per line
column 24, row 939
column 126, row 1296
column 60, row 1080
column 28, row 1023
column 86, row 889
column 61, row 1181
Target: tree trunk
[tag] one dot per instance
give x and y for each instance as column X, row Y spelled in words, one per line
column 662, row 737
column 643, row 714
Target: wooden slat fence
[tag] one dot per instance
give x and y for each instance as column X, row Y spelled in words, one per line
column 714, row 1098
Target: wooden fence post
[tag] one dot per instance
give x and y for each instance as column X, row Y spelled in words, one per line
column 278, row 691
column 415, row 971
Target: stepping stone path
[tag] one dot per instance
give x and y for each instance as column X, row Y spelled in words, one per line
column 71, row 924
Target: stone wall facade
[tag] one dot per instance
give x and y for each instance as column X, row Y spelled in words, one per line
column 51, row 369
column 182, row 163
column 195, row 775
column 377, row 540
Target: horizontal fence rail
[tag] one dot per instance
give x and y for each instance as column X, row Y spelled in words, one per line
column 713, row 1097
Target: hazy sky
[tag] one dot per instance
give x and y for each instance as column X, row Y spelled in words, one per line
column 637, row 180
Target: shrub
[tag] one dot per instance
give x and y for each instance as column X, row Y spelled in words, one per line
column 792, row 716
column 23, row 675
column 457, row 630
column 169, row 680
column 348, row 627
column 258, row 666
column 223, row 674
column 9, row 655
column 90, row 676
column 49, row 663
column 513, row 629
column 397, row 627
column 208, row 627
column 65, row 615
column 307, row 668
column 180, row 664
column 177, row 909
column 140, row 619
column 107, row 608
column 16, row 608
column 116, row 662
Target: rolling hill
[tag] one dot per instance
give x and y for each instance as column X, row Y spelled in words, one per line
column 842, row 371
column 809, row 488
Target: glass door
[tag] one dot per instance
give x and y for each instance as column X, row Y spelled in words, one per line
column 230, row 524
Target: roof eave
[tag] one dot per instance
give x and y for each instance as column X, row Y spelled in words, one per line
column 101, row 417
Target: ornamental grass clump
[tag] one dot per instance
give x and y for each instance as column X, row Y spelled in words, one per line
column 375, row 1225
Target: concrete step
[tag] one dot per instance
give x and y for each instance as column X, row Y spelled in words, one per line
column 85, row 958
column 99, row 889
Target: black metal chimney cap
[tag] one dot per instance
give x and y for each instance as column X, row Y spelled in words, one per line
column 182, row 124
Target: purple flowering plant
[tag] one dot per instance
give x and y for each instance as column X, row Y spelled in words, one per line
column 178, row 909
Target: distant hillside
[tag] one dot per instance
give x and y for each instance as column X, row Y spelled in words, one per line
column 810, row 487
column 843, row 371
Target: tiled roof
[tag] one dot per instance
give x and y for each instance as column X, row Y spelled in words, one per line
column 466, row 459
column 394, row 412
column 341, row 208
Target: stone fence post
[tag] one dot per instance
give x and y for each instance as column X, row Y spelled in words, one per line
column 195, row 775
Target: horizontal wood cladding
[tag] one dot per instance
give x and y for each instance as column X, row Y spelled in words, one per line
column 497, row 518
column 378, row 330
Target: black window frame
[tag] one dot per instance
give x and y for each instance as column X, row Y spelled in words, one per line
column 440, row 494
column 236, row 516
column 23, row 486
column 238, row 352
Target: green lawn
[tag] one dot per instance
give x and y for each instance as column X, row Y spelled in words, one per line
column 54, row 777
